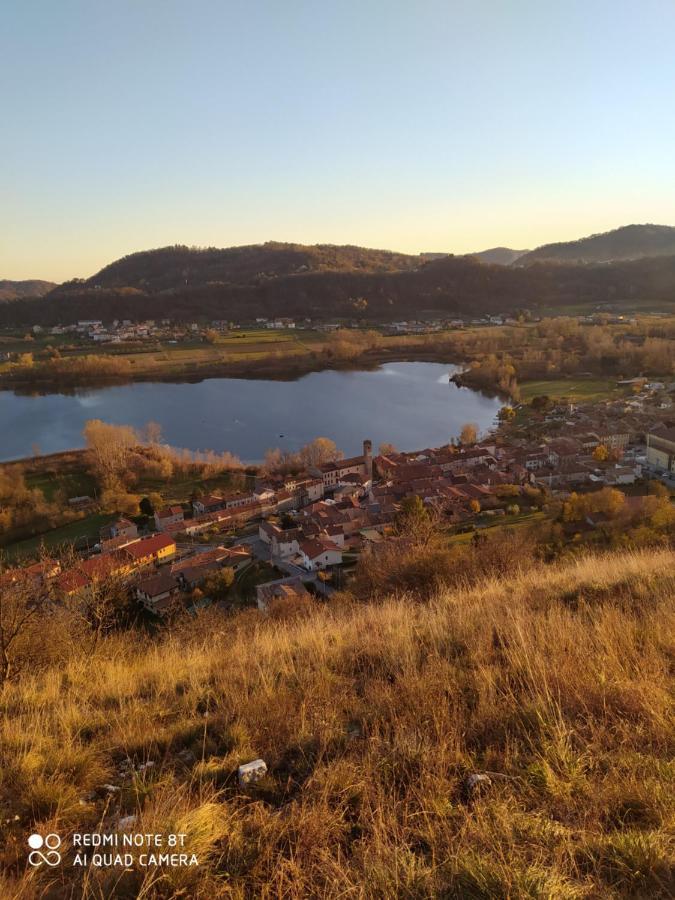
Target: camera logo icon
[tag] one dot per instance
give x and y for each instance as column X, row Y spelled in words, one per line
column 51, row 843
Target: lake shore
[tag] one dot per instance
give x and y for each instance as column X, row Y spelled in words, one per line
column 287, row 368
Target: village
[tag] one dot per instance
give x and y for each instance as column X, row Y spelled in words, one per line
column 300, row 535
column 97, row 332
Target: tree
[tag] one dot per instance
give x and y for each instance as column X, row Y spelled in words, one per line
column 217, row 584
column 417, row 521
column 474, row 506
column 280, row 462
column 153, row 433
column 657, row 488
column 110, row 447
column 19, row 606
column 469, row 433
column 601, row 453
column 105, row 605
column 320, row 450
column 664, row 514
column 210, row 336
column 506, row 414
column 387, row 449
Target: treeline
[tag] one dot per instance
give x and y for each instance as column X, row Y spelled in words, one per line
column 452, row 285
column 499, row 358
column 26, row 511
column 121, row 457
column 67, row 370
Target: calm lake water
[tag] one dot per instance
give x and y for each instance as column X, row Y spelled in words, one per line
column 408, row 404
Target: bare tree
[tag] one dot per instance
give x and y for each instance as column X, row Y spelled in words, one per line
column 320, row 450
column 110, row 446
column 469, row 433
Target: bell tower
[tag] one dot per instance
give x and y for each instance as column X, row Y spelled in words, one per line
column 368, row 458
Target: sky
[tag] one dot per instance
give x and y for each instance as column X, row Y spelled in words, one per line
column 414, row 125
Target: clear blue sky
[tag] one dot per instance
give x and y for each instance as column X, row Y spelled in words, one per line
column 410, row 124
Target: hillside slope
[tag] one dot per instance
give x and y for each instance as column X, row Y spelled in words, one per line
column 499, row 256
column 173, row 267
column 629, row 242
column 451, row 285
column 13, row 290
column 370, row 717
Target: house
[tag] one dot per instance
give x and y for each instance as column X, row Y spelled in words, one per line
column 207, row 504
column 291, row 588
column 613, row 438
column 93, row 571
column 661, row 449
column 121, row 528
column 237, row 500
column 318, row 554
column 168, row 516
column 192, row 576
column 623, row 474
column 562, row 450
column 153, row 592
column 237, row 557
column 332, row 472
column 157, row 548
column 286, row 543
column 192, row 571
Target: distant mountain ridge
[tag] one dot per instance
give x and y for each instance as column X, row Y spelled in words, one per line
column 348, row 282
column 13, row 290
column 450, row 286
column 499, row 256
column 628, row 242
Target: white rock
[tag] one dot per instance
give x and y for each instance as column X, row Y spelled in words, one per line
column 251, row 772
column 126, row 822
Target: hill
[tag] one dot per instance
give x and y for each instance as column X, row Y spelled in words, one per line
column 181, row 284
column 499, row 256
column 552, row 682
column 12, row 290
column 171, row 267
column 629, row 242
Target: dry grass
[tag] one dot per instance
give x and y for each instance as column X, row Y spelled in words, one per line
column 369, row 717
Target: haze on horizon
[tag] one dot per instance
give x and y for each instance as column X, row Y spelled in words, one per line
column 433, row 126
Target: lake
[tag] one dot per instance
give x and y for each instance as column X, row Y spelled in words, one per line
column 409, row 404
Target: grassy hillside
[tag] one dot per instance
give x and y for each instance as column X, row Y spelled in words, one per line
column 629, row 242
column 370, row 717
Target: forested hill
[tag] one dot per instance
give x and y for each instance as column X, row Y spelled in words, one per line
column 13, row 290
column 629, row 242
column 499, row 256
column 452, row 285
column 173, row 267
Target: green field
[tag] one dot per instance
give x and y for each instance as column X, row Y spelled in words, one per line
column 83, row 529
column 73, row 484
column 581, row 389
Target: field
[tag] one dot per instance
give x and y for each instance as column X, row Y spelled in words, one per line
column 585, row 390
column 552, row 681
column 85, row 530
